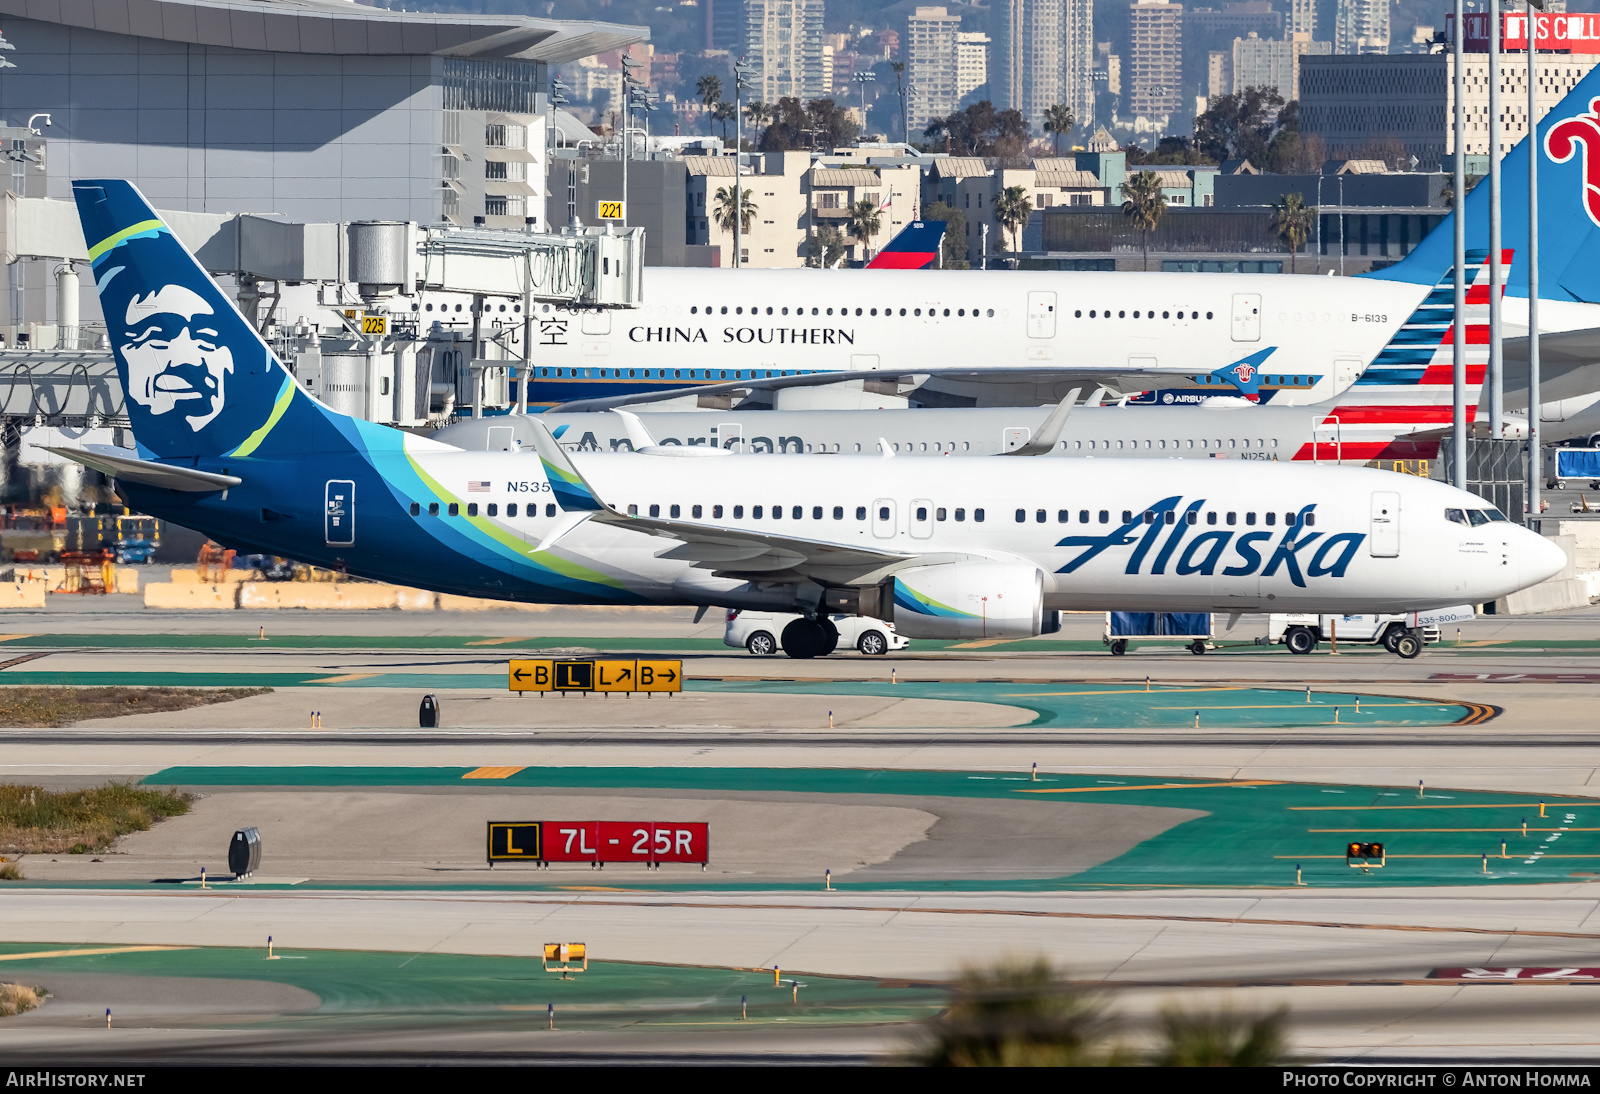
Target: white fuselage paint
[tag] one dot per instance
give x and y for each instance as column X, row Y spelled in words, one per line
column 814, row 320
column 1437, row 562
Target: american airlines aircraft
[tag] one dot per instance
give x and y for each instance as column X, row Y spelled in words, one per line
column 229, row 444
column 1397, row 409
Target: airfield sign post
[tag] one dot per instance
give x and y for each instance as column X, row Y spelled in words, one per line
column 605, row 676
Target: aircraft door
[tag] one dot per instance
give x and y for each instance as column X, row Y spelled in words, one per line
column 596, row 321
column 339, row 514
column 1247, row 317
column 1041, row 315
column 730, row 435
column 502, row 438
column 1384, row 540
column 863, row 362
column 1014, row 438
column 883, row 518
column 921, row 518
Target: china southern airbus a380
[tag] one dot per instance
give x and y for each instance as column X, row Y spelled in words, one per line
column 229, row 444
column 1397, row 409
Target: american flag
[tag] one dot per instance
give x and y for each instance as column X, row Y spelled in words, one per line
column 478, row 487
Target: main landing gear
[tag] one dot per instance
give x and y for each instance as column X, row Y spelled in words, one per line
column 807, row 638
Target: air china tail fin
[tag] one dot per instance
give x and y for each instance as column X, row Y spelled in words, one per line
column 1402, row 402
column 1568, row 144
column 199, row 380
column 915, row 248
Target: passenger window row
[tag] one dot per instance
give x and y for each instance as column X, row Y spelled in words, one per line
column 988, row 313
column 491, row 509
column 1169, row 516
column 1148, row 314
column 1203, row 443
column 795, row 512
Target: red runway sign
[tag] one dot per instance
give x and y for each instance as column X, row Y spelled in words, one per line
column 648, row 843
column 1513, row 972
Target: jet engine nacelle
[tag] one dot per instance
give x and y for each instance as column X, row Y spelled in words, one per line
column 968, row 600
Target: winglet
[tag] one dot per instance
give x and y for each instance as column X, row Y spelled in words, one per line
column 1049, row 430
column 638, row 435
column 571, row 490
column 1245, row 374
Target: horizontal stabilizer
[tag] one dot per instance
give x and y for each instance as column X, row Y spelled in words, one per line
column 125, row 464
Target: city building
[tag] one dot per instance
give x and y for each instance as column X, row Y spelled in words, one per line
column 1041, row 54
column 970, row 184
column 1219, row 74
column 317, row 110
column 1207, row 30
column 1276, row 64
column 1359, row 104
column 931, row 58
column 1361, row 26
column 795, row 196
column 783, row 40
column 1155, row 59
column 1303, row 17
column 972, row 62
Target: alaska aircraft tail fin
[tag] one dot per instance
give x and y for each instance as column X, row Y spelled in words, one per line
column 199, row 380
column 1403, row 401
column 1568, row 146
column 915, row 248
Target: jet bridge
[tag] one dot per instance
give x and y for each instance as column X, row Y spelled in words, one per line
column 392, row 321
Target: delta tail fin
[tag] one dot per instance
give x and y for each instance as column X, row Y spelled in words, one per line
column 199, row 380
column 915, row 248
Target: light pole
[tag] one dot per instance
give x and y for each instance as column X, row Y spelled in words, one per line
column 1496, row 274
column 630, row 83
column 742, row 71
column 1535, row 469
column 1458, row 335
column 862, row 80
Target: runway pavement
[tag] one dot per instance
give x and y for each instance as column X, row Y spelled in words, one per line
column 1366, row 963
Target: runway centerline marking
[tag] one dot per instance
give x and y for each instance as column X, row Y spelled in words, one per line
column 1505, row 805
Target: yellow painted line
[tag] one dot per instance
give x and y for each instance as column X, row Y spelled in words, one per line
column 345, row 679
column 1148, row 786
column 1524, row 804
column 13, row 637
column 1316, row 706
column 88, row 953
column 1512, row 829
column 597, row 889
column 492, row 772
column 1493, row 858
column 497, row 641
column 1127, row 691
column 985, row 643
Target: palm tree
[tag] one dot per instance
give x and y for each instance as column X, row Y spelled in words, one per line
column 708, row 89
column 724, row 113
column 757, row 113
column 1143, row 203
column 724, row 210
column 1058, row 119
column 865, row 220
column 1221, row 1039
column 1012, row 209
column 1020, row 1014
column 1292, row 221
column 899, row 87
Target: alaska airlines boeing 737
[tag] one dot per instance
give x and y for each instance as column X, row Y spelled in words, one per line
column 229, row 444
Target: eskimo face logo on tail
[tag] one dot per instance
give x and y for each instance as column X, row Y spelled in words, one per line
column 1575, row 135
column 176, row 361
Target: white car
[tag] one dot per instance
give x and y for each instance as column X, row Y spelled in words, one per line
column 762, row 632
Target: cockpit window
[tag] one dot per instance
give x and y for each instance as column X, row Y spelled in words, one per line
column 1458, row 516
column 1494, row 514
column 1478, row 517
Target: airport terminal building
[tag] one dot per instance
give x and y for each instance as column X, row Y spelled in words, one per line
column 319, row 110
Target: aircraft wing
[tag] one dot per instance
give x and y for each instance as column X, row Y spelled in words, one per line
column 125, row 464
column 1122, row 380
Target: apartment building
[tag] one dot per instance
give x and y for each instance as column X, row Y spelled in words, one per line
column 972, row 61
column 1154, row 74
column 1258, row 62
column 1042, row 53
column 1361, row 26
column 931, row 59
column 783, row 40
